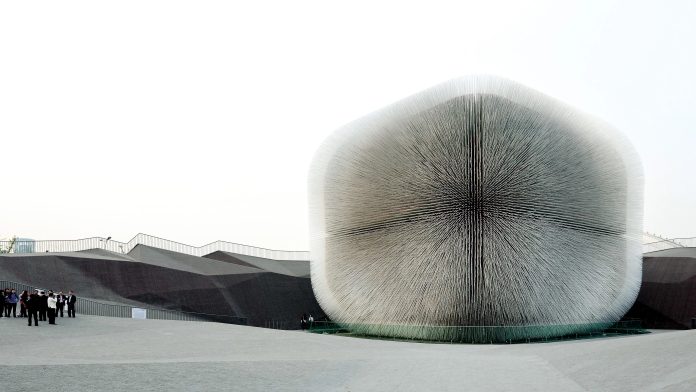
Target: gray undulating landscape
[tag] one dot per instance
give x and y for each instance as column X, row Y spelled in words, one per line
column 221, row 283
column 667, row 297
column 92, row 353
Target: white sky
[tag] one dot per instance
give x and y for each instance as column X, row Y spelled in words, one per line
column 197, row 120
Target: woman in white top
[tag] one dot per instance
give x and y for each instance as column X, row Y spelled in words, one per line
column 52, row 308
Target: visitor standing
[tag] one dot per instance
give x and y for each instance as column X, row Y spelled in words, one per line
column 72, row 299
column 6, row 302
column 12, row 300
column 33, row 305
column 43, row 305
column 23, row 298
column 2, row 303
column 51, row 301
column 60, row 303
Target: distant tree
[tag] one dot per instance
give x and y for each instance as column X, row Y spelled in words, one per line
column 7, row 246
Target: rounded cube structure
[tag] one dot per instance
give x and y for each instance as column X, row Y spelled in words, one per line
column 476, row 210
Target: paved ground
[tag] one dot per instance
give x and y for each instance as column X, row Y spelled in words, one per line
column 110, row 354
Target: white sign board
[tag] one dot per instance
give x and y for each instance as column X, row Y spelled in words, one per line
column 138, row 313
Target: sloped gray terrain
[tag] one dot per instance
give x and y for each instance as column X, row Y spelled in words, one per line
column 667, row 297
column 283, row 267
column 263, row 291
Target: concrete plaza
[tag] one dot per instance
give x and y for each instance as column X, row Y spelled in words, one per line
column 111, row 354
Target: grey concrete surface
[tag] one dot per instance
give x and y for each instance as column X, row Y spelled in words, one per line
column 110, row 354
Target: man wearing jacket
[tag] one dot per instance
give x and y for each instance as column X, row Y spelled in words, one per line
column 72, row 299
column 33, row 305
column 43, row 306
column 52, row 303
column 12, row 300
column 2, row 303
column 60, row 303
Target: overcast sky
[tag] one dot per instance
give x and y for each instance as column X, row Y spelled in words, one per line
column 196, row 121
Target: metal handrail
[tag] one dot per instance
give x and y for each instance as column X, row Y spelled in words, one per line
column 41, row 246
column 59, row 246
column 95, row 308
column 679, row 242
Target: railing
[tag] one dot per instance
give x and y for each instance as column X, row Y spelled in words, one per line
column 280, row 324
column 660, row 245
column 95, row 308
column 481, row 334
column 652, row 237
column 654, row 242
column 669, row 244
column 31, row 246
column 685, row 241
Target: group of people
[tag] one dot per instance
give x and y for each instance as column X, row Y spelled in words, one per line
column 306, row 321
column 39, row 305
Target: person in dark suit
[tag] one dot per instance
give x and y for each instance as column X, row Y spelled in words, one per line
column 23, row 299
column 2, row 303
column 33, row 305
column 60, row 303
column 43, row 305
column 72, row 300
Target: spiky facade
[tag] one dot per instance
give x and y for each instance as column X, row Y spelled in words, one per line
column 477, row 202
